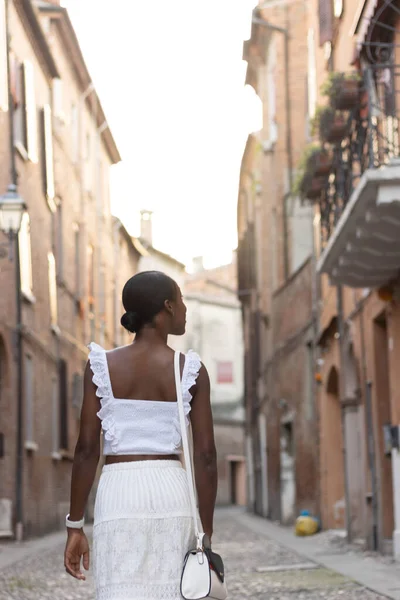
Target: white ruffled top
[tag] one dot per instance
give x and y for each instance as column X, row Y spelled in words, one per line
column 140, row 426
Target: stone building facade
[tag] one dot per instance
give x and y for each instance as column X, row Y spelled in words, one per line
column 70, row 247
column 214, row 330
column 276, row 273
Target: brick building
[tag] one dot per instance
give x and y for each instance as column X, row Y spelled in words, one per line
column 276, row 272
column 358, row 261
column 348, row 59
column 71, row 252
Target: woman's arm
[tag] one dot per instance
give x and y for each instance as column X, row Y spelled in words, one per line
column 87, row 453
column 87, row 450
column 205, row 455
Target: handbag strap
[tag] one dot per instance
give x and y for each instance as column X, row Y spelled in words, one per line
column 186, row 452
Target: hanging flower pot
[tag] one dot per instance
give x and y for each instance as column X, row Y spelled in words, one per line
column 323, row 163
column 348, row 95
column 343, row 90
column 312, row 172
column 333, row 125
column 315, row 188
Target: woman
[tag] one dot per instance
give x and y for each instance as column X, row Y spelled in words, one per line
column 142, row 519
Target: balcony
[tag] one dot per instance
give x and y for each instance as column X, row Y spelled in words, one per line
column 360, row 205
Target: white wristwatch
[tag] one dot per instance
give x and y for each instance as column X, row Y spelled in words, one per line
column 74, row 524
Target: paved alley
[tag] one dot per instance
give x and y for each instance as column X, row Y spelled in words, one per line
column 257, row 567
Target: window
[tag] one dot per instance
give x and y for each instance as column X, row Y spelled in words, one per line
column 58, row 240
column 102, row 304
column 91, row 298
column 25, row 115
column 77, row 391
column 75, row 133
column 29, row 399
column 271, row 93
column 3, row 59
column 224, row 372
column 325, row 21
column 25, row 257
column 56, row 418
column 63, row 404
column 48, row 158
column 77, row 262
column 58, row 107
column 52, row 289
column 312, row 74
column 88, row 147
column 91, row 274
column 88, row 167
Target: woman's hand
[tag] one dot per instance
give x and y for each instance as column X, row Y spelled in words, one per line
column 77, row 548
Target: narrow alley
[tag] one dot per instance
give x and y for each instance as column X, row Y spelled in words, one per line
column 258, row 567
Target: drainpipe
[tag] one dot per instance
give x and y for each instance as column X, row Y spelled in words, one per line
column 19, row 479
column 285, row 32
column 340, row 318
column 373, row 497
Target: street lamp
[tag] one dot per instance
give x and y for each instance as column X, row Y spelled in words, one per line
column 12, row 208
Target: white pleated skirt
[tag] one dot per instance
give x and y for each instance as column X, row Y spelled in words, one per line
column 142, row 530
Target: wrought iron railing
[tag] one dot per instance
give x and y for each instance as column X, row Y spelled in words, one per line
column 373, row 139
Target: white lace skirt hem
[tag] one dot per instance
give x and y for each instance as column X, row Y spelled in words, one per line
column 142, row 531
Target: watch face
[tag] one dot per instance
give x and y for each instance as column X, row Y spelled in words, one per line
column 206, row 541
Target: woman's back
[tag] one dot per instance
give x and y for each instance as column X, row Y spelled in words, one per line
column 143, row 372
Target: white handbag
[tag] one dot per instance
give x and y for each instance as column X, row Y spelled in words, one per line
column 203, row 573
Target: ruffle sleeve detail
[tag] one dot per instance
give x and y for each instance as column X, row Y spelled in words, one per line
column 101, row 379
column 189, row 377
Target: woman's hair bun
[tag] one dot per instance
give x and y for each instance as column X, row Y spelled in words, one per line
column 131, row 321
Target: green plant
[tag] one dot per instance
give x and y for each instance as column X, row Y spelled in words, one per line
column 321, row 113
column 304, row 167
column 333, row 86
column 325, row 118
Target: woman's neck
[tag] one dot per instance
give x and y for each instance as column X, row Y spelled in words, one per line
column 152, row 336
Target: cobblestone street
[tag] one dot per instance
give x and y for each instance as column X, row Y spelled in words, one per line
column 257, row 568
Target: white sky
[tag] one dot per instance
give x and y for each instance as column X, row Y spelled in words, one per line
column 170, row 77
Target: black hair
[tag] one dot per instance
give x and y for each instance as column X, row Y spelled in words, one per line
column 144, row 296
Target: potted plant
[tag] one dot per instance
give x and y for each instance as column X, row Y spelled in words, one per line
column 331, row 124
column 314, row 164
column 343, row 90
column 312, row 187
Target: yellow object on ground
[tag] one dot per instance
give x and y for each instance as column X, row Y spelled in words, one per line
column 306, row 526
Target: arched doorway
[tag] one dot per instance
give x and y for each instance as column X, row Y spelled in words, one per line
column 333, row 507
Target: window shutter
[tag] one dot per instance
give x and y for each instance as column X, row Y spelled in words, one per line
column 52, row 288
column 311, row 74
column 25, row 256
column 31, row 112
column 48, row 157
column 56, row 417
column 63, row 398
column 325, row 21
column 58, row 99
column 3, row 59
column 29, row 398
column 74, row 134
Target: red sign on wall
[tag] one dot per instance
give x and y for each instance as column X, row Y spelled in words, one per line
column 224, row 372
